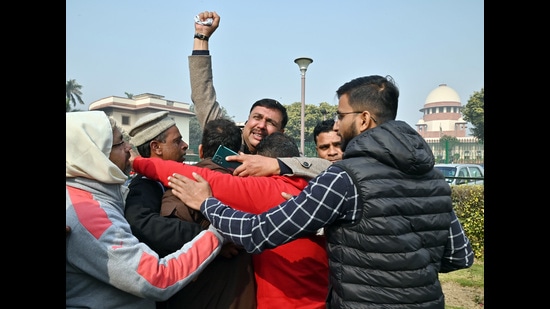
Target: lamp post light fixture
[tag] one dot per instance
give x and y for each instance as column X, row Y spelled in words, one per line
column 303, row 63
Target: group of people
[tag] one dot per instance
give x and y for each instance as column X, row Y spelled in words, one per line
column 369, row 223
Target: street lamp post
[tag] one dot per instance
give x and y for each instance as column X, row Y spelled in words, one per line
column 303, row 63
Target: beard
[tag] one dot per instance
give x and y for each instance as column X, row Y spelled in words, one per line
column 347, row 136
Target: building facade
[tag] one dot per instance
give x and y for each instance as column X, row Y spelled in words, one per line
column 127, row 111
column 442, row 116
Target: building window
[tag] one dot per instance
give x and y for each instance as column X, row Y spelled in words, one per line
column 125, row 120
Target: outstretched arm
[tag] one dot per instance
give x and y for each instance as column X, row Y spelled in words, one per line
column 257, row 165
column 320, row 203
column 203, row 94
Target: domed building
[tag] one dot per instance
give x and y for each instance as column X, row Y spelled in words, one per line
column 442, row 114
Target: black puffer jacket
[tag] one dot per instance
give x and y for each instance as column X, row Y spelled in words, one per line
column 391, row 257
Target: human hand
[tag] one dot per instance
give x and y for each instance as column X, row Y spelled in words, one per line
column 254, row 165
column 189, row 191
column 286, row 196
column 205, row 29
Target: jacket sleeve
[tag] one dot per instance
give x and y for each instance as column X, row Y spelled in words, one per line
column 203, row 94
column 162, row 234
column 458, row 252
column 305, row 166
column 102, row 245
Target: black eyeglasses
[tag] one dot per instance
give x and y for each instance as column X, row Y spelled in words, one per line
column 339, row 116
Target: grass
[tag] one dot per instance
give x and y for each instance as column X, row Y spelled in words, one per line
column 472, row 281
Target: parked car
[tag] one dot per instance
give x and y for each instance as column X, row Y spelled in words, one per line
column 462, row 173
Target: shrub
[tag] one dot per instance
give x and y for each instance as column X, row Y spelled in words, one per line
column 469, row 205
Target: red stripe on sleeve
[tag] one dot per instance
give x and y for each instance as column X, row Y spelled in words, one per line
column 88, row 211
column 180, row 267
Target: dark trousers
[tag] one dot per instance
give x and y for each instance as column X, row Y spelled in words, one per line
column 226, row 283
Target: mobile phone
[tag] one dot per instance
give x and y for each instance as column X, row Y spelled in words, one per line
column 219, row 158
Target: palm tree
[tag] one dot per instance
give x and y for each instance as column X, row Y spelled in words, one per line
column 73, row 93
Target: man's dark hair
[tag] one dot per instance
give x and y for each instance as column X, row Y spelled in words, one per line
column 324, row 126
column 376, row 94
column 278, row 145
column 218, row 132
column 273, row 104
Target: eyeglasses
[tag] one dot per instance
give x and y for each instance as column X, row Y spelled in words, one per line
column 339, row 116
column 118, row 144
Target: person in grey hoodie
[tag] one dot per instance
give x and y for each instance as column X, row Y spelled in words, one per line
column 106, row 265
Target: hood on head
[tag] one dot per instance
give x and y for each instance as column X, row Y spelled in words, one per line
column 89, row 139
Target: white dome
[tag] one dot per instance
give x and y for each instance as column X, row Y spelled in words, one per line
column 443, row 93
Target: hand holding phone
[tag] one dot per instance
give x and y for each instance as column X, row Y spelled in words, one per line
column 219, row 158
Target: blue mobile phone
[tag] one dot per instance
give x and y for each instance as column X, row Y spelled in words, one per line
column 219, row 158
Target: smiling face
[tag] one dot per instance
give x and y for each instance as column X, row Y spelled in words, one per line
column 262, row 121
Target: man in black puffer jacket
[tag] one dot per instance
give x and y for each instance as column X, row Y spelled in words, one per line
column 387, row 212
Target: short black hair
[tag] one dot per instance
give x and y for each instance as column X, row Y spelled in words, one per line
column 377, row 94
column 218, row 132
column 278, row 145
column 322, row 127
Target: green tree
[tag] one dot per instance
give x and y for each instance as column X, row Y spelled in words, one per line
column 293, row 125
column 73, row 93
column 129, row 95
column 313, row 114
column 474, row 113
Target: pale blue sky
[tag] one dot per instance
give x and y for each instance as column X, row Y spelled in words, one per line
column 139, row 46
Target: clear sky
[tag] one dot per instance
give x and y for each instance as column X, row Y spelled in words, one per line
column 139, row 46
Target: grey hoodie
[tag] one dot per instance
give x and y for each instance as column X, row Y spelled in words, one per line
column 106, row 266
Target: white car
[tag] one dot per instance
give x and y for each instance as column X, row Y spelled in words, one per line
column 462, row 173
